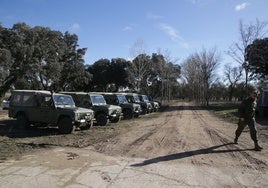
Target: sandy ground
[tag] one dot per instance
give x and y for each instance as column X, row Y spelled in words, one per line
column 183, row 146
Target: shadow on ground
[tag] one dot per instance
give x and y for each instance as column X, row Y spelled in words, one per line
column 186, row 154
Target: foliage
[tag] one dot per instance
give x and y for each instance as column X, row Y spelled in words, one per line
column 40, row 58
column 257, row 57
column 108, row 75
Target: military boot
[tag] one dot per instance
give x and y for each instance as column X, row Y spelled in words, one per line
column 257, row 147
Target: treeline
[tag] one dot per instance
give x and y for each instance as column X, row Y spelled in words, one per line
column 41, row 58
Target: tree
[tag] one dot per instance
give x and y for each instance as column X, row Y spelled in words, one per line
column 49, row 50
column 257, row 57
column 137, row 70
column 118, row 73
column 17, row 54
column 247, row 34
column 100, row 72
column 74, row 75
column 191, row 73
column 232, row 75
column 200, row 72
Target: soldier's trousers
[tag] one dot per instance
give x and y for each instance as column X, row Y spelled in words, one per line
column 252, row 128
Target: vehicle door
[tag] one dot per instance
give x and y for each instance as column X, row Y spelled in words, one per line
column 46, row 111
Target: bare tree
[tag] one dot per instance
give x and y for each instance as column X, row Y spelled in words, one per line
column 247, row 34
column 200, row 72
column 232, row 75
column 139, row 64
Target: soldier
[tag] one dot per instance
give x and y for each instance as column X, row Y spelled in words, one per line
column 247, row 117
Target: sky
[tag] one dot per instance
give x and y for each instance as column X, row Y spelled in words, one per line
column 111, row 28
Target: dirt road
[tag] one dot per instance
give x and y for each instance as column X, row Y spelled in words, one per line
column 183, row 146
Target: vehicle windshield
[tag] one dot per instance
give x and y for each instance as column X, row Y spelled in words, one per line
column 122, row 99
column 145, row 98
column 63, row 101
column 98, row 100
column 136, row 98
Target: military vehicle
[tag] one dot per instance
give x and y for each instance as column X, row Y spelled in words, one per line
column 155, row 105
column 104, row 113
column 38, row 107
column 129, row 110
column 134, row 98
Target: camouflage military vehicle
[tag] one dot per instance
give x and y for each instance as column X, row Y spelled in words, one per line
column 155, row 105
column 95, row 101
column 129, row 110
column 262, row 103
column 38, row 107
column 134, row 98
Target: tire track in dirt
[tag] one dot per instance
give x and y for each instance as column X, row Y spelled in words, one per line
column 238, row 154
column 169, row 114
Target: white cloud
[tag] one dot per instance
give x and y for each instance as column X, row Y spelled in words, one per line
column 169, row 30
column 127, row 28
column 153, row 16
column 241, row 6
column 74, row 27
column 173, row 35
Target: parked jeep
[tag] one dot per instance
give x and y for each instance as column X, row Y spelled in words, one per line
column 95, row 101
column 134, row 98
column 130, row 110
column 39, row 107
column 155, row 105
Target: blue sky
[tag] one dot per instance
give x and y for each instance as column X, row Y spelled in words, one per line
column 110, row 28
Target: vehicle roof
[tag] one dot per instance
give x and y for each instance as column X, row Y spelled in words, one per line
column 31, row 91
column 73, row 92
column 128, row 93
column 36, row 92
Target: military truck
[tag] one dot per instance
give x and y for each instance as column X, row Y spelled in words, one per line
column 38, row 107
column 262, row 103
column 103, row 112
column 155, row 105
column 134, row 98
column 129, row 110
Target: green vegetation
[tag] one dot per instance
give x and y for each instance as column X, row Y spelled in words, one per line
column 225, row 110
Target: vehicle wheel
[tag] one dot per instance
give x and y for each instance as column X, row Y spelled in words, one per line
column 136, row 115
column 66, row 126
column 116, row 120
column 23, row 122
column 87, row 126
column 144, row 111
column 102, row 119
column 128, row 114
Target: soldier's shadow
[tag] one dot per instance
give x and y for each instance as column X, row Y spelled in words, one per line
column 186, row 154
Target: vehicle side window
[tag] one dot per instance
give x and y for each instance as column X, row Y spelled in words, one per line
column 27, row 99
column 86, row 102
column 15, row 99
column 45, row 101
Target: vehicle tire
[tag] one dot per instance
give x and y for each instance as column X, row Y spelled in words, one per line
column 115, row 120
column 144, row 111
column 65, row 125
column 128, row 114
column 136, row 115
column 87, row 126
column 22, row 121
column 102, row 119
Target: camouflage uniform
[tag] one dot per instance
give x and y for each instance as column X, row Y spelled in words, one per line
column 247, row 117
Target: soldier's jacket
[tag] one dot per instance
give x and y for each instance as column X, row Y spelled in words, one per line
column 247, row 108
